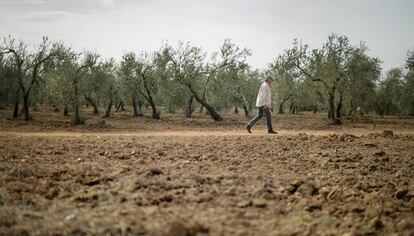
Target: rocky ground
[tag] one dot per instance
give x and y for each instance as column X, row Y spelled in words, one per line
column 202, row 178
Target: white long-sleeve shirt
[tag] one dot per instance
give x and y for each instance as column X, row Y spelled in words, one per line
column 264, row 97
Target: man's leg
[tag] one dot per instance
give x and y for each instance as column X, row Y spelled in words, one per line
column 255, row 119
column 268, row 119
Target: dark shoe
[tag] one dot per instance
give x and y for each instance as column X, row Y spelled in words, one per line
column 248, row 129
column 271, row 132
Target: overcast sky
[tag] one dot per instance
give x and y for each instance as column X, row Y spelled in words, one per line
column 265, row 26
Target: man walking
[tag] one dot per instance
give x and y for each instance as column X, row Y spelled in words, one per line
column 263, row 103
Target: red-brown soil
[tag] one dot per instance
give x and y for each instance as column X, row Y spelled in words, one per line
column 177, row 176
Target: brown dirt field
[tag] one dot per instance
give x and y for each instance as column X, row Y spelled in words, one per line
column 137, row 176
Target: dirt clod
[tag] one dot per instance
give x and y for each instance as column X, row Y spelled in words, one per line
column 401, row 193
column 307, row 189
column 155, row 171
column 380, row 153
column 387, row 133
column 243, row 204
column 7, row 217
column 259, row 203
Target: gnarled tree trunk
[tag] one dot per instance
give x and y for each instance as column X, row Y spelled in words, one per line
column 315, row 108
column 76, row 104
column 26, row 111
column 66, row 110
column 213, row 113
column 339, row 108
column 351, row 109
column 189, row 108
column 148, row 97
column 294, row 108
column 332, row 111
column 16, row 109
column 283, row 103
column 137, row 107
column 120, row 106
column 16, row 104
column 93, row 104
column 155, row 113
column 246, row 111
column 108, row 109
column 331, row 102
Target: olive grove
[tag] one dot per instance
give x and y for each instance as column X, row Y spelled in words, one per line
column 339, row 78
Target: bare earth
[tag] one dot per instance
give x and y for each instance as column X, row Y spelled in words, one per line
column 137, row 176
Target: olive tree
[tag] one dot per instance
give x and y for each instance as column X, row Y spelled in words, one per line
column 94, row 82
column 395, row 92
column 227, row 62
column 146, row 70
column 141, row 73
column 186, row 64
column 390, row 92
column 235, row 87
column 189, row 68
column 408, row 81
column 173, row 96
column 16, row 53
column 9, row 88
column 109, row 91
column 28, row 67
column 286, row 81
column 326, row 66
column 130, row 85
column 68, row 72
column 332, row 68
column 360, row 82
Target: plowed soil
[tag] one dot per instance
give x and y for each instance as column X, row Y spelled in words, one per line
column 177, row 176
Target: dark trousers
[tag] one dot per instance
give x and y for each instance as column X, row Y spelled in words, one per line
column 262, row 110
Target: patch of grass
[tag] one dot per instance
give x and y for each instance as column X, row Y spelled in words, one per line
column 305, row 217
column 326, row 221
column 79, row 195
column 174, row 142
